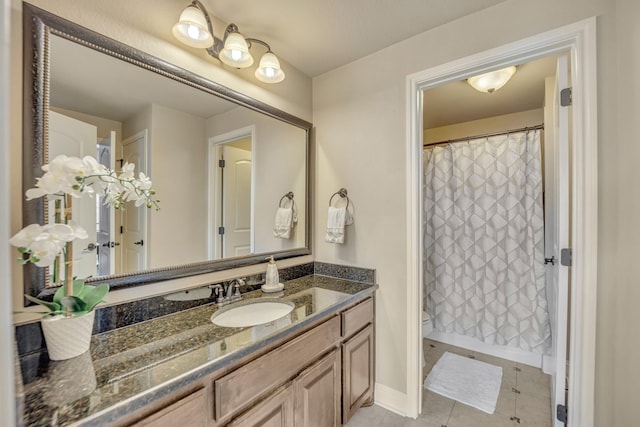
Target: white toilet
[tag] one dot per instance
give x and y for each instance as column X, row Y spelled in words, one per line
column 427, row 326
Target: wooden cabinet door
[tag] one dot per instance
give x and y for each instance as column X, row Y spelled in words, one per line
column 274, row 411
column 317, row 393
column 357, row 372
column 190, row 411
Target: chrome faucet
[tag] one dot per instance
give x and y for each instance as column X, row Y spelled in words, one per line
column 227, row 292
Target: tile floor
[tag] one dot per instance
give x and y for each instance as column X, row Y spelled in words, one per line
column 523, row 400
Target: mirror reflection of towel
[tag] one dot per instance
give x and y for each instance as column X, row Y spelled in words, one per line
column 337, row 218
column 284, row 223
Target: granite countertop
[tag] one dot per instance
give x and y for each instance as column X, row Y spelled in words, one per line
column 129, row 367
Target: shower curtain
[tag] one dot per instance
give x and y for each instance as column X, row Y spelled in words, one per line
column 484, row 240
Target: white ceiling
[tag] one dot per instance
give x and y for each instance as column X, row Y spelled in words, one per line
column 458, row 102
column 86, row 80
column 316, row 36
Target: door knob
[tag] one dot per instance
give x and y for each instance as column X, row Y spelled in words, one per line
column 91, row 247
column 110, row 244
column 139, row 242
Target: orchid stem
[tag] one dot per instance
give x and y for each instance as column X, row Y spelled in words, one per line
column 56, row 218
column 68, row 254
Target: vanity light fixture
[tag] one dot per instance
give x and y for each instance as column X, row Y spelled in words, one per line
column 491, row 81
column 194, row 29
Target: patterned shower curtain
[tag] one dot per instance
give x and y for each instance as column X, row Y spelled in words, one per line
column 484, row 240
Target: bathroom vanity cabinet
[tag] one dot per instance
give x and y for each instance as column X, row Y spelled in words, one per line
column 319, row 377
column 312, row 367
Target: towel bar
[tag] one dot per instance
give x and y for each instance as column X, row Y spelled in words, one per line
column 289, row 196
column 342, row 193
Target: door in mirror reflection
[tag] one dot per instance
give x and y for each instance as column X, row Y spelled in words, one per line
column 105, row 228
column 236, row 198
column 134, row 221
column 231, row 202
column 76, row 138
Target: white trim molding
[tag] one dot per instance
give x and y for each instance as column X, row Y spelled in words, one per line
column 391, row 399
column 7, row 343
column 579, row 40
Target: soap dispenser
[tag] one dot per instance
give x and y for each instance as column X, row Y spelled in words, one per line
column 272, row 282
column 272, row 273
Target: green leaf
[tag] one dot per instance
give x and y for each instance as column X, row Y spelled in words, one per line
column 78, row 286
column 94, row 295
column 53, row 306
column 74, row 304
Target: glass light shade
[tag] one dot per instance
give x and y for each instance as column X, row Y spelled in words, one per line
column 192, row 28
column 492, row 81
column 236, row 52
column 269, row 70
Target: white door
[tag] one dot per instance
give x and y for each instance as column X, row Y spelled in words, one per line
column 106, row 219
column 134, row 242
column 557, row 213
column 236, row 201
column 76, row 138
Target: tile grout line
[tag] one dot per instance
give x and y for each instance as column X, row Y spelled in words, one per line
column 450, row 412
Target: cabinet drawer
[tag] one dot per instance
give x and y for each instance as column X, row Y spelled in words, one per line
column 239, row 388
column 357, row 317
column 275, row 410
column 189, row 411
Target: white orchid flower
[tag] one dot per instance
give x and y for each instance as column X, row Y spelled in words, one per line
column 65, row 232
column 76, row 177
column 59, row 177
column 128, row 172
column 44, row 252
column 26, row 236
column 143, row 183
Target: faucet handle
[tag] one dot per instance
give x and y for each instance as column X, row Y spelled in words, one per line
column 218, row 292
column 236, row 287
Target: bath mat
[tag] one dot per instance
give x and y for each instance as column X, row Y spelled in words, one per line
column 466, row 380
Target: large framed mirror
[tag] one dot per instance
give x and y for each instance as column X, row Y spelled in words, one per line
column 222, row 163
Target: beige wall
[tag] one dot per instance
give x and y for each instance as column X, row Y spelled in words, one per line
column 360, row 117
column 619, row 342
column 483, row 126
column 178, row 165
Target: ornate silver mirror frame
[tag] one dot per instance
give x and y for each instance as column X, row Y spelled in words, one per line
column 38, row 26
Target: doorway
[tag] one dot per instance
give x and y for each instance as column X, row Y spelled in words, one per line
column 231, row 184
column 488, row 291
column 579, row 40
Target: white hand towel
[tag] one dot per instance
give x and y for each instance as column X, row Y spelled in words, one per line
column 337, row 218
column 283, row 223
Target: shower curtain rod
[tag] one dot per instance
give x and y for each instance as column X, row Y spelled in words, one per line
column 466, row 138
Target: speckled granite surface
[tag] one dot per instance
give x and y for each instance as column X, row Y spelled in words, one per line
column 31, row 341
column 129, row 367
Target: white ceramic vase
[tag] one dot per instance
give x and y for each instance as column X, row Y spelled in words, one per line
column 67, row 337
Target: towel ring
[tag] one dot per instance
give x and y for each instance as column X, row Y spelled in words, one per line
column 289, row 196
column 342, row 193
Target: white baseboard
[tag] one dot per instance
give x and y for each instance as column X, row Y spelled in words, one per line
column 391, row 399
column 474, row 344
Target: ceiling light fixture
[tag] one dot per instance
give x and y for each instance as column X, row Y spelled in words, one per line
column 194, row 29
column 492, row 81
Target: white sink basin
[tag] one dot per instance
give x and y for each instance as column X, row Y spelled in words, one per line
column 251, row 312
